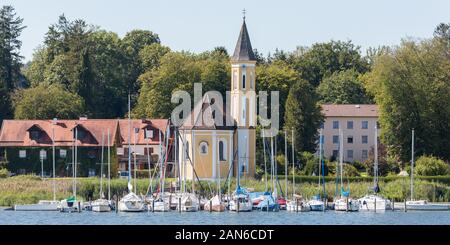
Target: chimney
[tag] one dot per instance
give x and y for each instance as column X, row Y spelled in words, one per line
column 55, row 121
column 358, row 106
column 83, row 118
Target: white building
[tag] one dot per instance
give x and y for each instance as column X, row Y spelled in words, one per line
column 358, row 126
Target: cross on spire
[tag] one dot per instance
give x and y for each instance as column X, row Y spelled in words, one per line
column 243, row 13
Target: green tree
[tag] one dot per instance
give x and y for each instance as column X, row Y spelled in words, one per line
column 431, row 166
column 343, row 87
column 323, row 59
column 46, row 102
column 10, row 59
column 150, row 55
column 303, row 114
column 411, row 85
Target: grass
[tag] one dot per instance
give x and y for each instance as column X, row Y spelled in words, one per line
column 30, row 189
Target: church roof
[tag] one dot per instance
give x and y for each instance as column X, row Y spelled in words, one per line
column 199, row 121
column 243, row 50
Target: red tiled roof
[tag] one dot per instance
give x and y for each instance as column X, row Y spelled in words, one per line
column 350, row 110
column 16, row 132
column 141, row 124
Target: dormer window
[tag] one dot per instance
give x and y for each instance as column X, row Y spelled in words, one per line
column 79, row 133
column 35, row 134
column 148, row 133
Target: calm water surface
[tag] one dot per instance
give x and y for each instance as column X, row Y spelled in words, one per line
column 252, row 218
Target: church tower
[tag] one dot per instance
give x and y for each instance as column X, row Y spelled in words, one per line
column 243, row 103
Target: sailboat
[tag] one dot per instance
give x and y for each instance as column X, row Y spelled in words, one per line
column 215, row 203
column 102, row 204
column 373, row 202
column 316, row 204
column 269, row 201
column 344, row 203
column 130, row 202
column 44, row 205
column 297, row 204
column 71, row 204
column 240, row 199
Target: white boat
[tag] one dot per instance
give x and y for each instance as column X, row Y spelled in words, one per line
column 373, row 203
column 189, row 203
column 297, row 206
column 240, row 201
column 101, row 205
column 70, row 205
column 316, row 204
column 342, row 204
column 426, row 206
column 131, row 203
column 215, row 204
column 42, row 205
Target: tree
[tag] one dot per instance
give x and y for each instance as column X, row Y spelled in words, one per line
column 276, row 76
column 411, row 85
column 431, row 166
column 323, row 59
column 10, row 59
column 46, row 102
column 150, row 55
column 343, row 87
column 303, row 115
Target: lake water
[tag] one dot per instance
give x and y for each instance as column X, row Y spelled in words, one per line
column 227, row 218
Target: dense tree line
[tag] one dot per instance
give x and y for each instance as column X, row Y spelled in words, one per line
column 81, row 69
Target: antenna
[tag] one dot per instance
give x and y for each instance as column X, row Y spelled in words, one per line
column 243, row 14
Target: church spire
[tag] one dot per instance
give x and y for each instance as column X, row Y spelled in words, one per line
column 243, row 50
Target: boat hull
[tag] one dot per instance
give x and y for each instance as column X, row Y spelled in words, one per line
column 41, row 206
column 316, row 205
column 343, row 205
column 373, row 203
column 293, row 206
column 243, row 206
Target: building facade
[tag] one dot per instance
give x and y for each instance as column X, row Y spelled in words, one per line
column 357, row 123
column 219, row 149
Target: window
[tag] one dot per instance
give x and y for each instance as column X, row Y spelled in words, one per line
column 203, row 148
column 322, row 125
column 335, row 124
column 349, row 154
column 235, row 81
column 364, row 139
column 349, row 124
column 364, row 154
column 350, row 140
column 22, row 153
column 187, row 149
column 251, row 80
column 62, row 153
column 79, row 133
column 335, row 139
column 243, row 81
column 43, row 154
column 222, row 150
column 322, row 139
column 335, row 153
column 364, row 124
column 34, row 135
column 148, row 133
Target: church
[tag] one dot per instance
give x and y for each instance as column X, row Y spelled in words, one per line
column 212, row 150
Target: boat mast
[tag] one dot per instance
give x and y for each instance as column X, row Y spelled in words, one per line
column 341, row 154
column 320, row 157
column 183, row 159
column 264, row 154
column 130, row 187
column 293, row 164
column 109, row 167
column 101, row 166
column 375, row 165
column 285, row 164
column 135, row 130
column 412, row 165
column 271, row 163
column 53, row 149
column 150, row 178
column 76, row 161
column 161, row 187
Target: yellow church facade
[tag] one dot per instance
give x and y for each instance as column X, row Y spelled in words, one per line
column 211, row 150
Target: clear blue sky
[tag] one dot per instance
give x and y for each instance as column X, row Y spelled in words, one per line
column 202, row 25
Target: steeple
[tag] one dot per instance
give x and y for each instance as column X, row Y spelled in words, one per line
column 243, row 50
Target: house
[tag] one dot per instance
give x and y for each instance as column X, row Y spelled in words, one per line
column 26, row 146
column 357, row 123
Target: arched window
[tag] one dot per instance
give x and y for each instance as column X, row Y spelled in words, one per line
column 222, row 150
column 203, row 148
column 243, row 81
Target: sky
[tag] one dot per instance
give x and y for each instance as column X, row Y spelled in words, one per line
column 200, row 25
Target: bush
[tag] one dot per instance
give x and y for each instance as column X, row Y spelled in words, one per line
column 4, row 173
column 359, row 166
column 431, row 166
column 350, row 170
